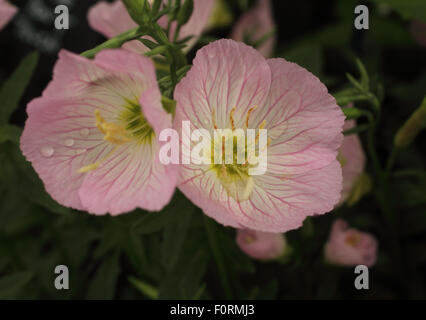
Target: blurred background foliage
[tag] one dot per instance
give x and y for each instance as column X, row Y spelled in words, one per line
column 179, row 253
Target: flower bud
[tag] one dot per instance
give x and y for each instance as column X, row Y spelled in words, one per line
column 138, row 10
column 261, row 245
column 412, row 127
column 350, row 247
column 185, row 12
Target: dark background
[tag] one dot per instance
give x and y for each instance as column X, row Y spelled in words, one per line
column 103, row 252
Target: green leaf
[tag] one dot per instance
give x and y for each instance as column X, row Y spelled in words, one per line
column 174, row 237
column 11, row 133
column 20, row 173
column 105, row 279
column 10, row 285
column 308, row 56
column 185, row 12
column 13, row 89
column 144, row 288
column 156, row 221
column 408, row 9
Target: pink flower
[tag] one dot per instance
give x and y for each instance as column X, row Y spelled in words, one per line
column 261, row 245
column 350, row 247
column 255, row 24
column 111, row 19
column 7, row 11
column 352, row 160
column 91, row 137
column 231, row 85
column 418, row 30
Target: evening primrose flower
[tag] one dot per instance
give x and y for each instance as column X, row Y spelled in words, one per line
column 352, row 159
column 232, row 86
column 111, row 19
column 350, row 247
column 257, row 24
column 261, row 245
column 7, row 11
column 91, row 137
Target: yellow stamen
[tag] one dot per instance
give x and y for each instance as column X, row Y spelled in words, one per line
column 214, row 118
column 353, row 239
column 262, row 125
column 249, row 239
column 95, row 165
column 231, row 117
column 113, row 133
column 248, row 115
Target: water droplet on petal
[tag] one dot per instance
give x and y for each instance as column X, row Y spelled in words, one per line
column 211, row 55
column 69, row 142
column 84, row 132
column 47, row 151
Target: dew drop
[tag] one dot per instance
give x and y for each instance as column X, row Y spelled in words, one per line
column 84, row 132
column 69, row 142
column 47, row 151
column 211, row 55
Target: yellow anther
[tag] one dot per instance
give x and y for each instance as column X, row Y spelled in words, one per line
column 113, row 132
column 94, row 166
column 231, row 117
column 89, row 167
column 342, row 159
column 248, row 114
column 99, row 121
column 262, row 125
column 214, row 118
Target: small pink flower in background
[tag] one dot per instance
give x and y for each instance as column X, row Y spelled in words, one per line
column 261, row 245
column 111, row 19
column 91, row 137
column 233, row 85
column 352, row 160
column 418, row 30
column 350, row 247
column 255, row 24
column 7, row 12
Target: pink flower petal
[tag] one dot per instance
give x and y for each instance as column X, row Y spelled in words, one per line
column 303, row 121
column 129, row 179
column 257, row 23
column 353, row 158
column 7, row 12
column 350, row 247
column 111, row 19
column 225, row 74
column 261, row 245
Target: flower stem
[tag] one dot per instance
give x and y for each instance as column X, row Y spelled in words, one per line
column 212, row 237
column 115, row 42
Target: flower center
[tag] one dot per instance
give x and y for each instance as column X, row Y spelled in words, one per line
column 353, row 239
column 131, row 126
column 232, row 168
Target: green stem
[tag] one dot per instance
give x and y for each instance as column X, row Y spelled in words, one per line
column 409, row 173
column 115, row 42
column 212, row 237
column 391, row 161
